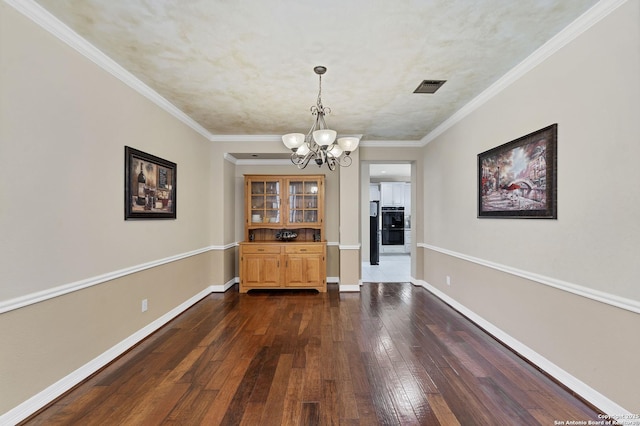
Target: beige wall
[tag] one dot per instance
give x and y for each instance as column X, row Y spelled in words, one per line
column 591, row 89
column 45, row 342
column 63, row 128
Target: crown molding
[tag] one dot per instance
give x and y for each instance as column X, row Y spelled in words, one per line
column 392, row 144
column 264, row 162
column 230, row 158
column 585, row 21
column 246, row 138
column 57, row 28
column 257, row 138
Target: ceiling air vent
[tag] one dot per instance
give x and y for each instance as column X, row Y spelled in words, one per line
column 429, row 86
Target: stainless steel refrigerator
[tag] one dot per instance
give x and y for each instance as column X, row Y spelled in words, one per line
column 374, row 220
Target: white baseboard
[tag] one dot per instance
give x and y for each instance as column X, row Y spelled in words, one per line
column 224, row 287
column 41, row 399
column 588, row 393
column 349, row 287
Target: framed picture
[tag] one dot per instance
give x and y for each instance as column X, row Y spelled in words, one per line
column 149, row 186
column 518, row 179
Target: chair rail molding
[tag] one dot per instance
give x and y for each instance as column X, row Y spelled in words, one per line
column 41, row 296
column 597, row 295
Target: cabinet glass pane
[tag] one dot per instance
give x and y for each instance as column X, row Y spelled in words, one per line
column 311, row 202
column 257, row 187
column 311, row 216
column 296, row 216
column 311, row 187
column 296, row 187
column 272, row 187
column 272, row 216
column 272, row 202
column 256, row 216
column 257, row 202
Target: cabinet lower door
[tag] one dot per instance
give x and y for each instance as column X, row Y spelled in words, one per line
column 304, row 270
column 261, row 270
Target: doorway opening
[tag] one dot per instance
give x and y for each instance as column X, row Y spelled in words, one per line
column 387, row 255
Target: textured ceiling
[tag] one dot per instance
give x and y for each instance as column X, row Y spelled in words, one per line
column 245, row 67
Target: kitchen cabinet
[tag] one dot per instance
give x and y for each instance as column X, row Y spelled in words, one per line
column 407, row 198
column 284, row 243
column 374, row 192
column 407, row 240
column 392, row 194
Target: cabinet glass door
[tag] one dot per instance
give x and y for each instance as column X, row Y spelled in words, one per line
column 265, row 202
column 303, row 201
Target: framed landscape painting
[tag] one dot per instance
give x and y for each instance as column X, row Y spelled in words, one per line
column 518, row 179
column 149, row 186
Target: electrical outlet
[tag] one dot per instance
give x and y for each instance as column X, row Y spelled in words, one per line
column 144, row 305
column 448, row 280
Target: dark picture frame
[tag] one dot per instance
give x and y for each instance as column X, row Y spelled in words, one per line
column 519, row 178
column 150, row 186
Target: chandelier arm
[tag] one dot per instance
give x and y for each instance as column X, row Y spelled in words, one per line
column 342, row 161
column 306, row 159
column 331, row 163
column 296, row 159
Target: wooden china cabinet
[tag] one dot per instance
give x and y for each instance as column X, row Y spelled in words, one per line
column 284, row 246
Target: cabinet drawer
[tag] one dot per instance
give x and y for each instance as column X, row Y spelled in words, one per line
column 304, row 249
column 258, row 249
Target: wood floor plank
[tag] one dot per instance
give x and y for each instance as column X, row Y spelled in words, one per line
column 292, row 408
column 193, row 406
column 442, row 410
column 310, row 413
column 277, row 392
column 247, row 385
column 252, row 414
column 392, row 354
column 218, row 408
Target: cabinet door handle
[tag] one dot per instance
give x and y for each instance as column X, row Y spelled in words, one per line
column 260, row 249
column 303, row 249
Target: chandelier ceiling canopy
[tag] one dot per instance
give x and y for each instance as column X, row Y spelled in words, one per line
column 320, row 144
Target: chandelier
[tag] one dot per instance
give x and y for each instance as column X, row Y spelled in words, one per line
column 320, row 144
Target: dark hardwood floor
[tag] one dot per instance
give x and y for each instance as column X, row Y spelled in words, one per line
column 390, row 355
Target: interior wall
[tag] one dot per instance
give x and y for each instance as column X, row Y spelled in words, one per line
column 68, row 337
column 591, row 248
column 64, row 124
